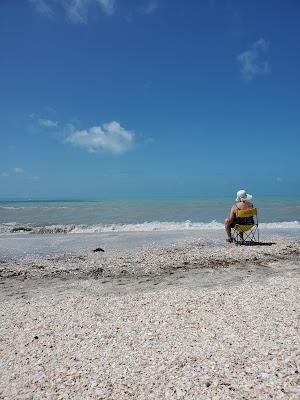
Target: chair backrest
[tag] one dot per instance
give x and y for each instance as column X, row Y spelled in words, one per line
column 246, row 213
column 246, row 222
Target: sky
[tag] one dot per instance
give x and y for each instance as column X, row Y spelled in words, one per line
column 105, row 98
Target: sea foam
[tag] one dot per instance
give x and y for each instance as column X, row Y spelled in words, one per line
column 9, row 228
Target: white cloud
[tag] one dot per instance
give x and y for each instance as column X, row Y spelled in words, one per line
column 254, row 61
column 47, row 123
column 76, row 11
column 279, row 179
column 19, row 171
column 150, row 8
column 110, row 137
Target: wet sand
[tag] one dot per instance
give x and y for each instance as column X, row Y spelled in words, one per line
column 180, row 321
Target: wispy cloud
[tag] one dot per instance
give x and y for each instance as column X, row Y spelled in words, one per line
column 110, row 137
column 19, row 171
column 107, row 5
column 149, row 140
column 75, row 11
column 254, row 61
column 150, row 7
column 43, row 7
column 47, row 123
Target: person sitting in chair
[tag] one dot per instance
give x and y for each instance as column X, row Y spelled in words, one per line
column 243, row 203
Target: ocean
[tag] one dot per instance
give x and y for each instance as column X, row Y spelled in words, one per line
column 138, row 214
column 30, row 228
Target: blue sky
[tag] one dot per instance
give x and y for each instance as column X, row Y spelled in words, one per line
column 149, row 97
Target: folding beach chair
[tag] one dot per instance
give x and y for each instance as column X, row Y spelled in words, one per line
column 245, row 230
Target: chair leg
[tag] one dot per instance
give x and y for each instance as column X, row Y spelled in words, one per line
column 241, row 234
column 241, row 238
column 251, row 236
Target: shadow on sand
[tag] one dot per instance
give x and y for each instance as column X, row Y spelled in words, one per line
column 255, row 244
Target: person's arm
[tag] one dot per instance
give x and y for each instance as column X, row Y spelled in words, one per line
column 232, row 214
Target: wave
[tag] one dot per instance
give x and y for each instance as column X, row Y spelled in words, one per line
column 143, row 227
column 34, row 208
column 11, row 208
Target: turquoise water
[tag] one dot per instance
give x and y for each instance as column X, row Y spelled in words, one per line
column 138, row 211
column 30, row 228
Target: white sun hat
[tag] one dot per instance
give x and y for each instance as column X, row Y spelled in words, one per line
column 243, row 196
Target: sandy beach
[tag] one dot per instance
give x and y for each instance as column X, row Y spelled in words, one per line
column 149, row 200
column 185, row 320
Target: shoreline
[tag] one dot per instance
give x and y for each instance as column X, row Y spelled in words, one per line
column 151, row 260
column 15, row 246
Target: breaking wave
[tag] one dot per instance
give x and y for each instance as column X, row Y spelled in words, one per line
column 32, row 208
column 9, row 228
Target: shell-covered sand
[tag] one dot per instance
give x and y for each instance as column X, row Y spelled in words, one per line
column 72, row 340
column 151, row 260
